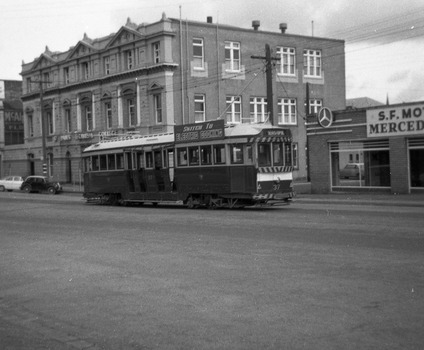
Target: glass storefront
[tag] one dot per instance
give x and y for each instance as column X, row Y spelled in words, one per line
column 360, row 163
column 416, row 162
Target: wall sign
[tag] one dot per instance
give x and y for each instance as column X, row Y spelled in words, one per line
column 325, row 117
column 395, row 121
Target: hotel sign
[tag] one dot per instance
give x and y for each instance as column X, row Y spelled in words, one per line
column 395, row 121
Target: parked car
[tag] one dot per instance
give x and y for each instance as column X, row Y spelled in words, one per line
column 10, row 183
column 352, row 171
column 40, row 184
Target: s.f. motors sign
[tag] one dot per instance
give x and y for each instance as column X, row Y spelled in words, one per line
column 395, row 121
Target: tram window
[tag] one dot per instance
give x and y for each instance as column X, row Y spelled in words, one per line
column 119, row 161
column 193, row 155
column 249, row 152
column 182, row 156
column 264, row 154
column 128, row 158
column 95, row 163
column 237, row 154
column 141, row 163
column 277, row 149
column 149, row 160
column 87, row 164
column 219, row 154
column 287, row 154
column 103, row 163
column 158, row 160
column 206, row 155
column 111, row 162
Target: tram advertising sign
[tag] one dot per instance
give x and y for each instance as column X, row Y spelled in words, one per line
column 396, row 121
column 206, row 131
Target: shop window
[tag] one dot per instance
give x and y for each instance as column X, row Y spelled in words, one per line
column 416, row 158
column 360, row 164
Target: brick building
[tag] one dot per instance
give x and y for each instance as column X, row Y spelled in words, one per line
column 147, row 78
column 11, row 126
column 374, row 149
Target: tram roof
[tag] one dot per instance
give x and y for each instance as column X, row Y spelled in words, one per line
column 128, row 141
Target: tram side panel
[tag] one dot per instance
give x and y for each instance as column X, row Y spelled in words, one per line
column 102, row 183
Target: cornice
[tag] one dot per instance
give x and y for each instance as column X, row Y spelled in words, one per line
column 163, row 67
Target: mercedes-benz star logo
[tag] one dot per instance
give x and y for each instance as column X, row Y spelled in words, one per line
column 325, row 117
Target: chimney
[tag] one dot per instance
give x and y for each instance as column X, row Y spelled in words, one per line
column 283, row 27
column 209, row 19
column 256, row 24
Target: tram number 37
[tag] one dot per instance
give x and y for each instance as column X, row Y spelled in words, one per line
column 275, row 187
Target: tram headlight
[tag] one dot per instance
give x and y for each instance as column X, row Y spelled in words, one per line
column 277, row 181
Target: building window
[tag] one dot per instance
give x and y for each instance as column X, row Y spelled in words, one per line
column 30, row 125
column 66, row 75
column 312, row 63
column 287, row 60
column 232, row 56
column 132, row 121
column 85, row 70
column 108, row 113
column 129, row 59
column 68, row 125
column 50, row 122
column 46, row 79
column 258, row 110
column 199, row 108
column 158, row 108
column 88, row 118
column 314, row 106
column 287, row 114
column 106, row 62
column 416, row 162
column 198, row 54
column 28, row 85
column 156, row 52
column 233, row 109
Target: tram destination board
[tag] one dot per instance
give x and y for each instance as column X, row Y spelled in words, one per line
column 212, row 130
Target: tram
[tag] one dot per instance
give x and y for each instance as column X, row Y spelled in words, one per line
column 199, row 165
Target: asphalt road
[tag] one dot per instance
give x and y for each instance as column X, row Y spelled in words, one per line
column 305, row 276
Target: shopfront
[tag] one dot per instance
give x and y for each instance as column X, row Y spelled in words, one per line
column 374, row 149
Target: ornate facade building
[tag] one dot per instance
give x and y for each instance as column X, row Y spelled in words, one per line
column 147, row 78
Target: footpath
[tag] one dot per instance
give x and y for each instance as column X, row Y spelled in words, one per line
column 366, row 198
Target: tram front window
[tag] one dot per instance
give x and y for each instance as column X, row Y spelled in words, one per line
column 277, row 149
column 264, row 154
column 288, row 154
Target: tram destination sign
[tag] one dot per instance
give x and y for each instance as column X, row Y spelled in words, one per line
column 212, row 130
column 395, row 121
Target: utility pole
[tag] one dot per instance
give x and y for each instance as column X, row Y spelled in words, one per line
column 43, row 125
column 269, row 91
column 307, row 107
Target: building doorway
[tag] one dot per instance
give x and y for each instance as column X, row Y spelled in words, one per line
column 68, row 169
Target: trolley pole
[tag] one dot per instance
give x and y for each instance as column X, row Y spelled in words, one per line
column 269, row 91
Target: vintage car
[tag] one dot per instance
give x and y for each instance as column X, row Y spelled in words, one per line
column 10, row 183
column 40, row 184
column 352, row 171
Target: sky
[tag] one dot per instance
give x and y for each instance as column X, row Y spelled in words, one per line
column 384, row 39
